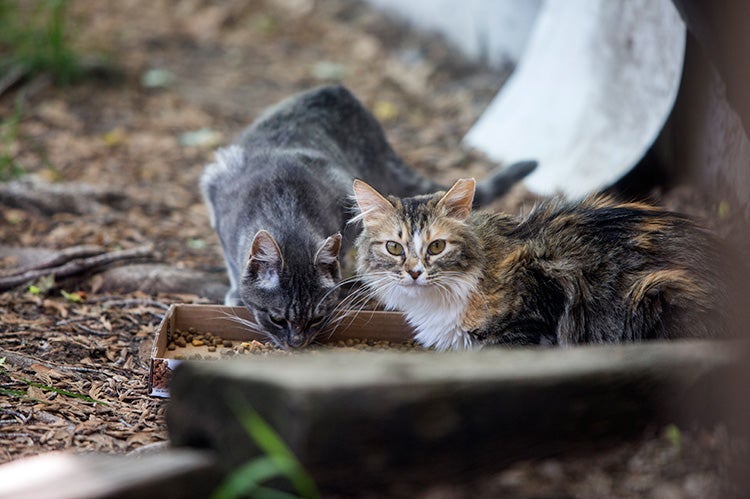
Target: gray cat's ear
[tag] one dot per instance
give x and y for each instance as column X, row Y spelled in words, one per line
column 457, row 201
column 371, row 203
column 327, row 260
column 265, row 256
column 328, row 253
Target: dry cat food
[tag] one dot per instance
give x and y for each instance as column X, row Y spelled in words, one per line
column 209, row 340
column 214, row 345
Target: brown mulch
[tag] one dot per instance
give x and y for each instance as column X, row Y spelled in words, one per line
column 74, row 375
column 75, row 363
column 126, row 141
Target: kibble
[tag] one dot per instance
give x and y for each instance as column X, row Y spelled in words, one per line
column 228, row 348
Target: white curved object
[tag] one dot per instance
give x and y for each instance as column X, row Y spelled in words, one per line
column 491, row 31
column 590, row 95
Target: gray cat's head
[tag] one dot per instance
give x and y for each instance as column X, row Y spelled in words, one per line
column 417, row 251
column 292, row 295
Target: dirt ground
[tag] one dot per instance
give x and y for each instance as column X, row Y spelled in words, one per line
column 188, row 76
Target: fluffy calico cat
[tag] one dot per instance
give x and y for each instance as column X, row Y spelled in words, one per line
column 593, row 271
column 279, row 200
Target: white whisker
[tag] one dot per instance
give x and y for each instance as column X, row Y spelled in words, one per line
column 249, row 324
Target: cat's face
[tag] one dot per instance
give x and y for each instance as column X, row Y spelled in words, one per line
column 291, row 298
column 416, row 246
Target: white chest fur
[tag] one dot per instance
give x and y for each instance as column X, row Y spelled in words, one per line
column 435, row 313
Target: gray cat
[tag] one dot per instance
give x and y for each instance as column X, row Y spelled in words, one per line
column 279, row 200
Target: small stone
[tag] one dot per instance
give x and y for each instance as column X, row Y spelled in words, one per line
column 327, row 70
column 197, row 343
column 157, row 78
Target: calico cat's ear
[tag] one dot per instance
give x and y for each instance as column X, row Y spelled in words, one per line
column 328, row 254
column 265, row 260
column 371, row 203
column 457, row 201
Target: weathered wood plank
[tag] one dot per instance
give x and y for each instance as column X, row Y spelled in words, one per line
column 359, row 419
column 173, row 473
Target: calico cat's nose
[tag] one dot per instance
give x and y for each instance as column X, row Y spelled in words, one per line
column 415, row 274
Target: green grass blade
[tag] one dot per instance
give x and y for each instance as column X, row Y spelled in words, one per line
column 269, row 442
column 48, row 388
column 67, row 393
column 247, row 478
column 268, row 493
column 21, row 395
column 14, row 393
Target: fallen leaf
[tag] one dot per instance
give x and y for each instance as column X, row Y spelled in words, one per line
column 45, row 373
column 157, row 78
column 205, row 137
column 114, row 137
column 385, row 110
column 74, row 297
column 327, row 70
column 52, row 306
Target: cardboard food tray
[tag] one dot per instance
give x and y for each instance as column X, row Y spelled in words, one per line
column 221, row 321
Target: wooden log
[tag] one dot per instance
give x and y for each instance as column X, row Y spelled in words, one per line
column 172, row 473
column 63, row 266
column 359, row 420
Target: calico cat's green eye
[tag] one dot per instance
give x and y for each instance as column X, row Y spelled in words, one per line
column 394, row 248
column 436, row 247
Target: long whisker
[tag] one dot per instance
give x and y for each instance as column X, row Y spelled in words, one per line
column 233, row 317
column 338, row 286
column 356, row 302
column 364, row 290
column 348, row 308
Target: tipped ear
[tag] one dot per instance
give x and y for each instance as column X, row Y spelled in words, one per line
column 265, row 254
column 457, row 201
column 328, row 254
column 370, row 202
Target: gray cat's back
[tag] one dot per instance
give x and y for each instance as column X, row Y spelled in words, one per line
column 331, row 121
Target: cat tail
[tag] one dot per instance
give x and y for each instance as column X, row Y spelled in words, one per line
column 488, row 190
column 501, row 181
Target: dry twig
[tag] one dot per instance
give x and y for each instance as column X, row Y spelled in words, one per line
column 75, row 265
